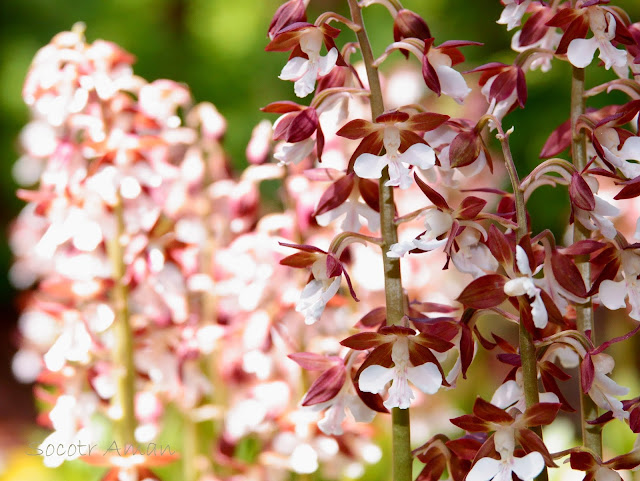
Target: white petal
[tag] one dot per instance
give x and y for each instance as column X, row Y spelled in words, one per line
column 452, row 83
column 399, row 175
column 307, row 83
column 369, row 166
column 361, row 412
column 631, row 149
column 606, row 474
column 295, row 68
column 516, row 287
column 529, row 466
column 605, row 208
column 581, row 51
column 425, row 377
column 484, row 470
column 400, row 249
column 420, row 155
column 613, row 294
column 326, row 63
column 507, row 394
column 523, row 261
column 539, row 312
column 430, row 245
column 374, row 378
column 288, row 153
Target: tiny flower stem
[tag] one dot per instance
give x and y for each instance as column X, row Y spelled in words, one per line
column 527, row 348
column 591, row 435
column 394, row 294
column 123, row 348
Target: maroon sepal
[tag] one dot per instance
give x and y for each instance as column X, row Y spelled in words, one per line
column 567, row 274
column 484, row 292
column 374, row 318
column 408, row 24
column 435, row 198
column 580, row 193
column 288, row 13
column 326, row 387
column 587, row 373
column 558, row 141
column 335, row 195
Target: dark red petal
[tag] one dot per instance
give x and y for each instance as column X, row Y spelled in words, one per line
column 587, row 373
column 470, row 207
column 435, row 198
column 580, row 193
column 312, row 361
column 326, row 387
column 464, row 149
column 392, row 117
column 299, row 259
column 335, row 195
column 488, row 412
column 426, row 121
column 356, row 129
column 365, row 340
column 541, row 414
column 567, row 274
column 374, row 318
column 302, row 126
column 484, row 293
column 558, row 141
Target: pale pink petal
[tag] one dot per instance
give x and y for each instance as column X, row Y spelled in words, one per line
column 420, row 155
column 581, row 51
column 425, row 377
column 369, row 166
column 529, row 466
column 294, row 69
column 613, row 294
column 374, row 378
column 484, row 470
column 452, row 83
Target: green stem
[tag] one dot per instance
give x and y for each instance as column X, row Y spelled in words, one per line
column 123, row 349
column 591, row 435
column 189, row 448
column 394, row 294
column 528, row 358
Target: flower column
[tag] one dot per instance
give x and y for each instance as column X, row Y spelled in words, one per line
column 402, row 459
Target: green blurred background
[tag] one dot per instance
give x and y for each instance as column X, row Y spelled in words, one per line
column 217, row 48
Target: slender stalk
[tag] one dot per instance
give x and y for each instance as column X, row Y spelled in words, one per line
column 123, row 349
column 394, row 294
column 527, row 348
column 189, row 448
column 591, row 435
